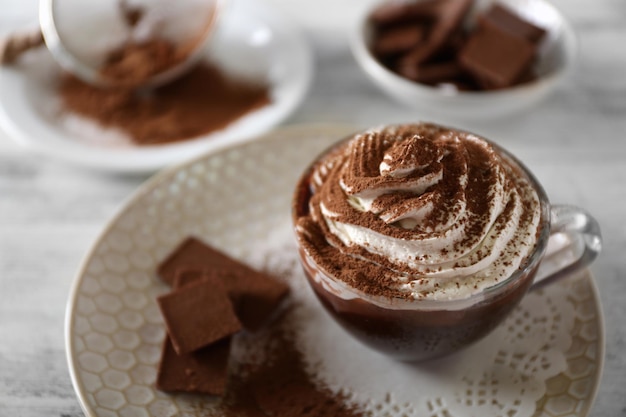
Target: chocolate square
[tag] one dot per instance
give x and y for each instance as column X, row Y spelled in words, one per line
column 204, row 371
column 509, row 21
column 496, row 58
column 198, row 314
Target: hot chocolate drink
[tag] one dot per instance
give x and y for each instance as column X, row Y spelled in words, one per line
column 419, row 238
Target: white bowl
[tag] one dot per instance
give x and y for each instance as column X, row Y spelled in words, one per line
column 556, row 57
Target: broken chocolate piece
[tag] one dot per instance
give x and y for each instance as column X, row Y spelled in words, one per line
column 509, row 21
column 204, row 371
column 496, row 58
column 198, row 314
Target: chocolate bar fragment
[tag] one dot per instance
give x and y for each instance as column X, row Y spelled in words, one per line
column 507, row 20
column 198, row 314
column 496, row 58
column 204, row 371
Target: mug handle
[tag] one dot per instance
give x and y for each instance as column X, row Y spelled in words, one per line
column 575, row 241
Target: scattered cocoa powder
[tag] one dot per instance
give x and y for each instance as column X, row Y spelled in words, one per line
column 281, row 385
column 135, row 63
column 14, row 45
column 202, row 101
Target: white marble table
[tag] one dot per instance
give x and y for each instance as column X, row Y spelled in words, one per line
column 51, row 213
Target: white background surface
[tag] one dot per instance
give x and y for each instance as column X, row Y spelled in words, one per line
column 50, row 213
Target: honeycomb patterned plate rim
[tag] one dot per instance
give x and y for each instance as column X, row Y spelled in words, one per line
column 325, row 135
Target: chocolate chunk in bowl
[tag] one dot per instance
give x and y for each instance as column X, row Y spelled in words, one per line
column 503, row 18
column 496, row 58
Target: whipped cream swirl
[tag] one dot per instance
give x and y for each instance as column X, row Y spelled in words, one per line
column 420, row 211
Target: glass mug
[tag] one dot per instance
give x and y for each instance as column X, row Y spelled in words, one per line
column 416, row 330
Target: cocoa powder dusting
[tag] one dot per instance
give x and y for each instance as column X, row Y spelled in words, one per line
column 280, row 385
column 15, row 44
column 448, row 194
column 135, row 63
column 200, row 102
